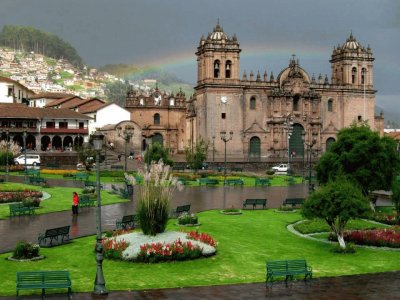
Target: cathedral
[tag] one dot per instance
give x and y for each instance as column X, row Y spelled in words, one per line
column 263, row 118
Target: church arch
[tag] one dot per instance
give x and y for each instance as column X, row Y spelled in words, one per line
column 255, row 149
column 296, row 143
column 158, row 138
column 253, row 102
column 156, row 119
column 296, row 102
column 329, row 143
column 216, row 68
column 353, row 75
column 330, row 105
column 228, row 69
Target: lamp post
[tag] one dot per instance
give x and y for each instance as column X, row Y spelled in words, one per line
column 213, row 145
column 225, row 139
column 126, row 134
column 24, row 143
column 289, row 129
column 309, row 145
column 148, row 143
column 99, row 282
column 7, row 150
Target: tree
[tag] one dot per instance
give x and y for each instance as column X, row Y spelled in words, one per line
column 361, row 155
column 116, row 92
column 155, row 152
column 337, row 202
column 396, row 194
column 197, row 155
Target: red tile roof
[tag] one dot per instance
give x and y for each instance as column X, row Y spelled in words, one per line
column 12, row 111
column 49, row 95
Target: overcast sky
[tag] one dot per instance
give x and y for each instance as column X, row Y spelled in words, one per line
column 167, row 32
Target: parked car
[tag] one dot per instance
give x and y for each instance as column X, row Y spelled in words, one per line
column 281, row 168
column 31, row 159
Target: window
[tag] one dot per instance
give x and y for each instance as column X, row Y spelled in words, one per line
column 296, row 100
column 330, row 105
column 62, row 124
column 253, row 103
column 81, row 125
column 50, row 124
column 223, row 115
column 156, row 119
column 228, row 68
column 363, row 73
column 353, row 75
column 216, row 68
column 359, row 118
column 10, row 91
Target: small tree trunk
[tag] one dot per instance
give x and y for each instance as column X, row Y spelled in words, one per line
column 341, row 241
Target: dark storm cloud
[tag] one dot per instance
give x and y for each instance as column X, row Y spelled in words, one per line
column 140, row 31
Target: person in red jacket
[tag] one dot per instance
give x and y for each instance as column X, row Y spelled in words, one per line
column 75, row 202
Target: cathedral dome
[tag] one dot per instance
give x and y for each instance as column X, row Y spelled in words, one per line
column 218, row 34
column 351, row 44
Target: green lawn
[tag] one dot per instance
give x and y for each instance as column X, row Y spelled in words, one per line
column 61, row 198
column 245, row 242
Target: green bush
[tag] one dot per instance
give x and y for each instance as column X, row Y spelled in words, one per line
column 25, row 250
column 270, row 172
column 349, row 249
column 31, row 202
column 186, row 219
column 89, row 190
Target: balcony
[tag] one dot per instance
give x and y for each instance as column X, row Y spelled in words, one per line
column 82, row 131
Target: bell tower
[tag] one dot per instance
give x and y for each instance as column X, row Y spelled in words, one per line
column 351, row 65
column 217, row 58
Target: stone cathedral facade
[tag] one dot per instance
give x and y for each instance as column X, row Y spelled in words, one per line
column 270, row 118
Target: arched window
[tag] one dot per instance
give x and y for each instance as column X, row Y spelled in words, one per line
column 296, row 100
column 353, row 75
column 216, row 68
column 363, row 74
column 253, row 102
column 330, row 105
column 255, row 149
column 329, row 143
column 156, row 119
column 228, row 68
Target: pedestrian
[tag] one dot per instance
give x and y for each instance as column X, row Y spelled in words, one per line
column 75, row 202
column 131, row 155
column 119, row 157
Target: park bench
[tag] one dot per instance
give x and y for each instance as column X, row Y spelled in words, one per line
column 178, row 168
column 86, row 201
column 183, row 181
column 262, row 182
column 17, row 209
column 123, row 193
column 219, row 169
column 32, row 172
column 53, row 166
column 207, row 181
column 287, row 269
column 117, row 167
column 36, row 180
column 81, row 176
column 92, row 184
column 234, row 182
column 255, row 202
column 293, row 201
column 126, row 222
column 29, row 280
column 236, row 169
column 291, row 180
column 59, row 234
column 181, row 209
column 114, row 189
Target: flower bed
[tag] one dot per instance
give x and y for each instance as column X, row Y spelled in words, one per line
column 19, row 196
column 166, row 246
column 390, row 219
column 376, row 237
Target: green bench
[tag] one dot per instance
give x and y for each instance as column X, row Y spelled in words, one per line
column 287, row 269
column 254, row 203
column 126, row 222
column 86, row 201
column 262, row 182
column 183, row 181
column 181, row 209
column 18, row 209
column 81, row 176
column 29, row 280
column 36, row 180
column 219, row 169
column 178, row 168
column 53, row 166
column 124, row 193
column 234, row 182
column 59, row 234
column 291, row 180
column 117, row 167
column 208, row 181
column 293, row 201
column 236, row 169
column 32, row 172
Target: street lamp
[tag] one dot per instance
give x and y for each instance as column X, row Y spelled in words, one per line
column 148, row 144
column 99, row 282
column 126, row 134
column 289, row 129
column 309, row 145
column 213, row 145
column 225, row 139
column 7, row 150
column 24, row 141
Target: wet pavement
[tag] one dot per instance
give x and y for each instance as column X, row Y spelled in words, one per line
column 369, row 286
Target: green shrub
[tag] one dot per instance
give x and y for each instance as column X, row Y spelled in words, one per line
column 349, row 249
column 31, row 202
column 186, row 219
column 286, row 208
column 270, row 172
column 25, row 250
column 89, row 190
